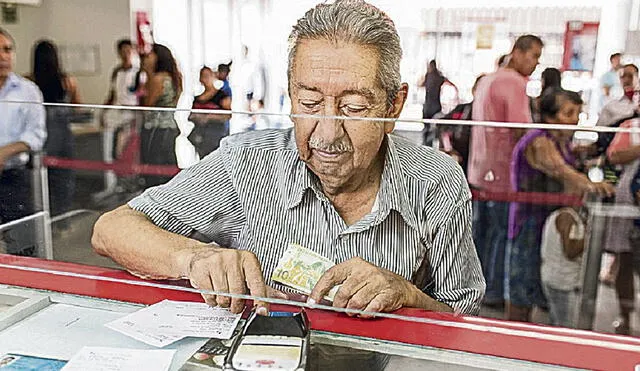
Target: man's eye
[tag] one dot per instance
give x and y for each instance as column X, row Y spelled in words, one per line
column 309, row 104
column 353, row 109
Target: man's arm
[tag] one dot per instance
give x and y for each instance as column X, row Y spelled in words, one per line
column 10, row 150
column 112, row 95
column 148, row 251
column 151, row 242
column 34, row 134
column 456, row 277
column 133, row 241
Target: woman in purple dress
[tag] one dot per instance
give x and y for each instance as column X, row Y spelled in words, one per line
column 542, row 162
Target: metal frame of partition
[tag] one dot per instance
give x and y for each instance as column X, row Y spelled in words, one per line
column 40, row 217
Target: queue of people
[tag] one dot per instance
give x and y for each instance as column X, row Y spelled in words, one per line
column 530, row 253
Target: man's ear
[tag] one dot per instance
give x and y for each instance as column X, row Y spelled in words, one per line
column 396, row 106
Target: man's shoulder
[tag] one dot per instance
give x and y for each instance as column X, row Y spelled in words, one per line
column 508, row 76
column 28, row 87
column 425, row 164
column 260, row 141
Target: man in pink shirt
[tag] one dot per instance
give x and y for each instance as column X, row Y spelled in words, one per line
column 500, row 97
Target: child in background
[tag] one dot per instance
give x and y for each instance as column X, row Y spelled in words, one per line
column 561, row 262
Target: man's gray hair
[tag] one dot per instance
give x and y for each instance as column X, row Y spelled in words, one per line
column 353, row 21
column 6, row 34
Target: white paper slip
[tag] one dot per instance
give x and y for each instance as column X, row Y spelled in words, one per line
column 148, row 335
column 169, row 321
column 117, row 359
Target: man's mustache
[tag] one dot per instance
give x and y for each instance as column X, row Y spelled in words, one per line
column 339, row 146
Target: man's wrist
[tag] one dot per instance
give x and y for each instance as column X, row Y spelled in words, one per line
column 184, row 257
column 418, row 299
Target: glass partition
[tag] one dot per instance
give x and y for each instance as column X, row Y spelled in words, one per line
column 417, row 231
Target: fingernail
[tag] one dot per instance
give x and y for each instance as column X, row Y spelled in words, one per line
column 311, row 301
column 262, row 311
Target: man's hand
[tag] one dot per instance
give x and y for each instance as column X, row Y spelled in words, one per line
column 366, row 287
column 230, row 271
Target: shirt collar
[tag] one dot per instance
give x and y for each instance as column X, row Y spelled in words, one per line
column 11, row 82
column 392, row 194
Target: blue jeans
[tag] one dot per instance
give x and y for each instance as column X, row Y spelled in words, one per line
column 522, row 267
column 561, row 305
column 490, row 224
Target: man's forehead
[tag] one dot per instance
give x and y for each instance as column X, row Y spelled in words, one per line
column 329, row 67
column 5, row 41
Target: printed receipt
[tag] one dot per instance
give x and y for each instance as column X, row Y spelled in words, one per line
column 116, row 359
column 169, row 321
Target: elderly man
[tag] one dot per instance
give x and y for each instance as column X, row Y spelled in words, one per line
column 623, row 107
column 394, row 216
column 22, row 129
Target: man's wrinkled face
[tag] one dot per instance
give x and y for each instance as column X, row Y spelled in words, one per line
column 7, row 54
column 332, row 79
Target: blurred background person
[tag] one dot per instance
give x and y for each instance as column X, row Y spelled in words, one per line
column 610, row 82
column 222, row 74
column 209, row 128
column 432, row 83
column 624, row 106
column 57, row 87
column 502, row 97
column 542, row 162
column 561, row 250
column 159, row 132
column 122, row 92
column 621, row 238
column 454, row 139
column 551, row 78
column 22, row 130
column 613, row 114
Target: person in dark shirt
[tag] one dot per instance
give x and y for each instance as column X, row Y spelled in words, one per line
column 209, row 128
column 454, row 139
column 432, row 83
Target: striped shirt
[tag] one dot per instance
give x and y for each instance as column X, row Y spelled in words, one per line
column 255, row 193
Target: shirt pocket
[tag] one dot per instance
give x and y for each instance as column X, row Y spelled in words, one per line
column 17, row 122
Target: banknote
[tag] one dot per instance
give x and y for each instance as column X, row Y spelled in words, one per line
column 300, row 268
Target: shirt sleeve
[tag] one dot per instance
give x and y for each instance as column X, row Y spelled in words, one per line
column 456, row 278
column 35, row 130
column 605, row 117
column 620, row 141
column 201, row 198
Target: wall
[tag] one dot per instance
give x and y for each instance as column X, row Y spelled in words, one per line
column 74, row 22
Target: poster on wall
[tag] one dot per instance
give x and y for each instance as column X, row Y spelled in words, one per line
column 485, row 34
column 580, row 39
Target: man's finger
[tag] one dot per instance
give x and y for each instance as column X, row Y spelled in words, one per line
column 346, row 291
column 202, row 281
column 332, row 277
column 235, row 278
column 361, row 299
column 377, row 305
column 255, row 283
column 219, row 279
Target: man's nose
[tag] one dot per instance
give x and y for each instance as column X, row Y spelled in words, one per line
column 329, row 128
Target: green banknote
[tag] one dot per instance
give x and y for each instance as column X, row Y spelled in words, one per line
column 301, row 268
